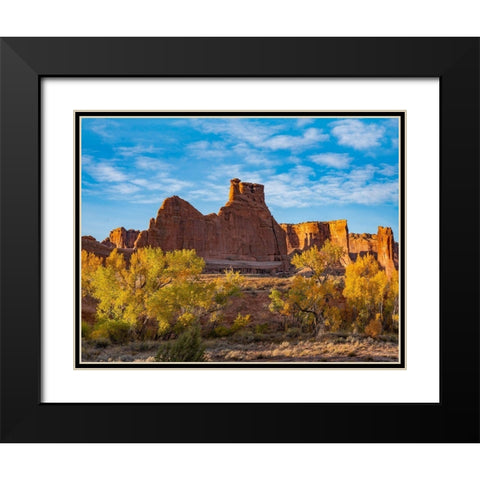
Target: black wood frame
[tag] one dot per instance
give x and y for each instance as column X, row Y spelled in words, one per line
column 25, row 61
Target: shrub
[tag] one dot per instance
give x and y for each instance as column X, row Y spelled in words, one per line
column 86, row 330
column 261, row 328
column 117, row 331
column 101, row 342
column 244, row 336
column 294, row 332
column 240, row 322
column 221, row 331
column 188, row 347
column 374, row 328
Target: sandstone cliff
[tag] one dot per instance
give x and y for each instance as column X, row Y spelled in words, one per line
column 121, row 238
column 244, row 235
column 302, row 236
column 381, row 245
column 90, row 244
column 362, row 243
column 243, row 229
column 385, row 249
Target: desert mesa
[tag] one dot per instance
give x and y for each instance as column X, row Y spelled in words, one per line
column 244, row 235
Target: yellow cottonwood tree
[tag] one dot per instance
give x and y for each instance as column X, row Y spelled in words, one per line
column 89, row 264
column 372, row 296
column 161, row 286
column 312, row 300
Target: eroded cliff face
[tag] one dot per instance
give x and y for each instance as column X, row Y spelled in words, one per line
column 302, row 236
column 90, row 244
column 385, row 249
column 122, row 238
column 362, row 243
column 381, row 245
column 243, row 229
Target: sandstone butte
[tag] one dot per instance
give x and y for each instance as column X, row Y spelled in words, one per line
column 244, row 235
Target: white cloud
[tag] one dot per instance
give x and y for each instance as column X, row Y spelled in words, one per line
column 103, row 128
column 225, row 171
column 238, row 131
column 86, row 159
column 257, row 134
column 142, row 182
column 162, row 182
column 300, row 188
column 388, row 170
column 253, row 156
column 142, row 199
column 123, row 189
column 358, row 186
column 150, row 163
column 357, row 134
column 104, row 173
column 211, row 192
column 311, row 137
column 172, row 185
column 207, row 150
column 301, row 122
column 335, row 160
column 136, row 150
column 290, row 189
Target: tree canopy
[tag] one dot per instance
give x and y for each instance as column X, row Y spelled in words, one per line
column 164, row 287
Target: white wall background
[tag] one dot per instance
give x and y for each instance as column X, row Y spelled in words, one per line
column 244, row 18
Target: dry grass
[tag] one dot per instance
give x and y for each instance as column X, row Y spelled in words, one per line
column 311, row 350
column 270, row 349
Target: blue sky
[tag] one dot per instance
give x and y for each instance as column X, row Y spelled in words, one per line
column 312, row 168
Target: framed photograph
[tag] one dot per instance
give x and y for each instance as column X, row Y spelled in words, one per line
column 252, row 229
column 239, row 288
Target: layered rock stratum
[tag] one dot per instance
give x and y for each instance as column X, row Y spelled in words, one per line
column 244, row 235
column 302, row 236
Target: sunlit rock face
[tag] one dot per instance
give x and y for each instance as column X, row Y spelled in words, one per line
column 121, row 238
column 302, row 236
column 243, row 229
column 381, row 245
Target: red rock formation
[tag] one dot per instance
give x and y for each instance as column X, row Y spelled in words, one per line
column 90, row 244
column 244, row 229
column 361, row 244
column 244, row 234
column 381, row 245
column 385, row 249
column 121, row 238
column 178, row 225
column 301, row 236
